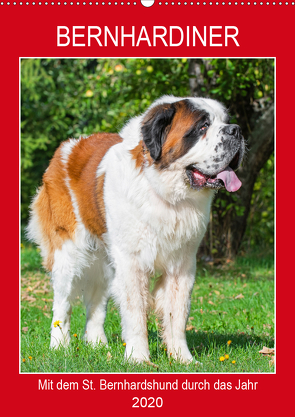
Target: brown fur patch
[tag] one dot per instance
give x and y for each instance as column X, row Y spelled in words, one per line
column 82, row 165
column 53, row 205
column 139, row 154
column 173, row 148
column 54, row 209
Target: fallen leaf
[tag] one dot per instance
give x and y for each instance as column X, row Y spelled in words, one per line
column 189, row 327
column 270, row 352
column 36, row 285
column 29, row 298
column 109, row 356
column 267, row 351
column 217, row 292
column 201, row 300
column 211, row 302
column 25, row 329
column 237, row 297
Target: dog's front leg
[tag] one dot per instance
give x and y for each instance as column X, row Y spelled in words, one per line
column 172, row 296
column 130, row 290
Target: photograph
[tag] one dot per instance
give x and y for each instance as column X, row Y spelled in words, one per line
column 147, row 239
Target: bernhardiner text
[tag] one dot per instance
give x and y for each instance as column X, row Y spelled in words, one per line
column 169, row 36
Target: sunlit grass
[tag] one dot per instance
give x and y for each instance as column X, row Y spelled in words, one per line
column 231, row 317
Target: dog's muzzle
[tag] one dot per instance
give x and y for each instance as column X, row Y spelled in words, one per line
column 233, row 147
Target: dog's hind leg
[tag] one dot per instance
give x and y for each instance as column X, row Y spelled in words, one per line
column 64, row 280
column 96, row 295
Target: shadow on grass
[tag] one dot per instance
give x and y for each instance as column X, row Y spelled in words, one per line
column 202, row 342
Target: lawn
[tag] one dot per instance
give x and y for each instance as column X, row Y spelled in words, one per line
column 231, row 319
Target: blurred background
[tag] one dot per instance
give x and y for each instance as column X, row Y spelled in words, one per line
column 62, row 98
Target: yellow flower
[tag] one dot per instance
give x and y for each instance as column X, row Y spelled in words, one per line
column 57, row 323
column 24, row 360
column 233, row 362
column 89, row 93
column 124, row 344
column 75, row 335
column 229, row 342
column 21, row 245
column 226, row 356
column 222, row 358
column 30, row 357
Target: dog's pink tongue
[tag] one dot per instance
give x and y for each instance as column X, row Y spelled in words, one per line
column 231, row 181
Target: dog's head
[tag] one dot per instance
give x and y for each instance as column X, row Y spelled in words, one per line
column 194, row 135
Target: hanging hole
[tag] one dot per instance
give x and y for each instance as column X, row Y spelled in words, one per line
column 147, row 3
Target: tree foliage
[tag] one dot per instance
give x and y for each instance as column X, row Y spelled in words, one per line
column 73, row 97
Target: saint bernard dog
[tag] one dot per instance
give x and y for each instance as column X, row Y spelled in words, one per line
column 116, row 209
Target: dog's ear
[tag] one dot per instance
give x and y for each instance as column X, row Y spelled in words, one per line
column 155, row 128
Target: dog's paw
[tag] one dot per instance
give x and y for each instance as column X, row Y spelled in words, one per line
column 95, row 339
column 136, row 355
column 182, row 354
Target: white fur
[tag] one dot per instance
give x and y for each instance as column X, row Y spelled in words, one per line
column 151, row 231
column 155, row 223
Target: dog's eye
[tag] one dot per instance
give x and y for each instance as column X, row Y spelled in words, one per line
column 204, row 127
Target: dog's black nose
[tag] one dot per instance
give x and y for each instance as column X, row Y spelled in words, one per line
column 232, row 130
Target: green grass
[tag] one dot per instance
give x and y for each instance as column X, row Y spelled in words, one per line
column 217, row 316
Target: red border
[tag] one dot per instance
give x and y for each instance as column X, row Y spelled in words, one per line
column 30, row 31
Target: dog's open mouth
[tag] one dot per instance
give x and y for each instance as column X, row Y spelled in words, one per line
column 226, row 178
